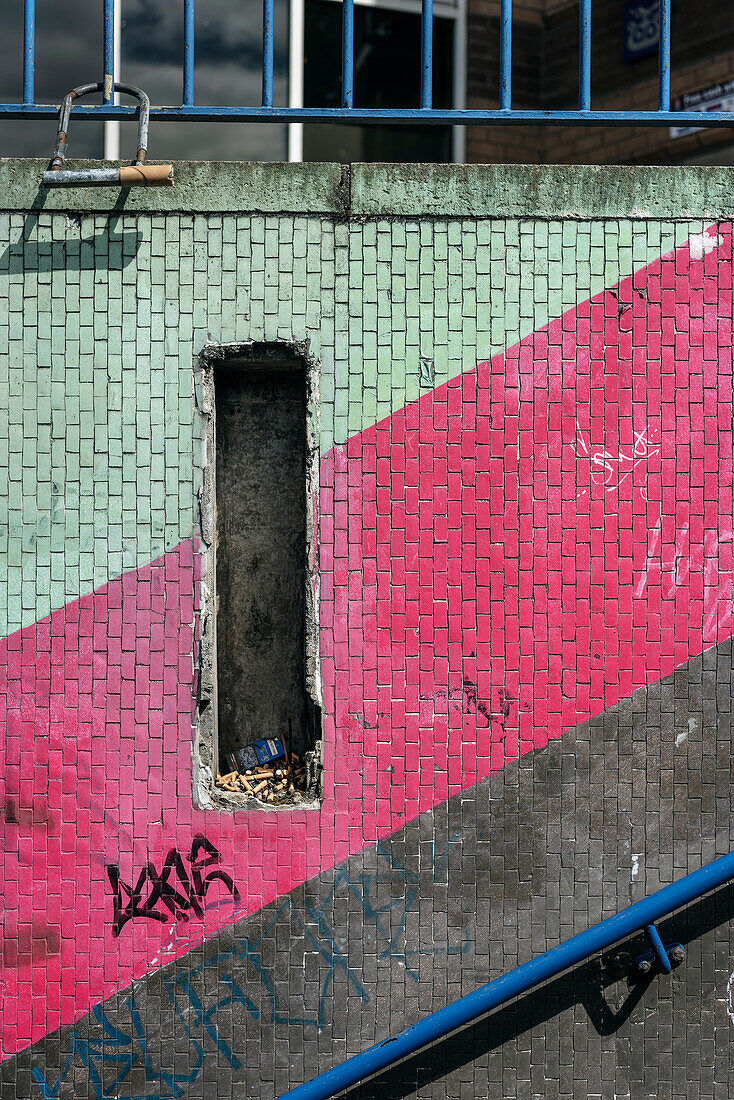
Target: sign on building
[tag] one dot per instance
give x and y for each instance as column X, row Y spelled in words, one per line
column 719, row 97
column 641, row 29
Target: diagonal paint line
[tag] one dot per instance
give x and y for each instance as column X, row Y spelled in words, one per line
column 67, row 536
column 524, row 285
column 369, row 898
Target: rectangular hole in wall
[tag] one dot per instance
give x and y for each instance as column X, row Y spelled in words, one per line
column 261, row 575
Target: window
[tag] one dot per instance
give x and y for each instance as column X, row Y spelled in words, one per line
column 228, row 71
column 259, row 664
column 228, row 53
column 387, row 48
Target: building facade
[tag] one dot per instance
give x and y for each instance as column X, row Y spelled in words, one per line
column 624, row 72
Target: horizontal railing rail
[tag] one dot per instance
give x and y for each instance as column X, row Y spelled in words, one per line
column 268, row 111
column 442, row 117
column 641, row 915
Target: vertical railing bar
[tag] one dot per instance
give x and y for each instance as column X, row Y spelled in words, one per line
column 347, row 53
column 111, row 138
column 108, row 87
column 664, row 57
column 427, row 54
column 29, row 50
column 506, row 55
column 268, row 16
column 188, row 60
column 585, row 55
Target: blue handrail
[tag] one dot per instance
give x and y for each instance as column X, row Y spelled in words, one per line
column 641, row 915
column 268, row 111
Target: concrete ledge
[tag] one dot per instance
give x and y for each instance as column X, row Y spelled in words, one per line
column 541, row 191
column 395, row 190
column 207, row 187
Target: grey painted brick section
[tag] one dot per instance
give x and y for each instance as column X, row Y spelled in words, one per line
column 498, row 874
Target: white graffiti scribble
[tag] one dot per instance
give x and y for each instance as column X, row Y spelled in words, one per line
column 692, row 727
column 671, row 564
column 611, row 469
column 730, row 997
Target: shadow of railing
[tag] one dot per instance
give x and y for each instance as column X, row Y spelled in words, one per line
column 107, row 250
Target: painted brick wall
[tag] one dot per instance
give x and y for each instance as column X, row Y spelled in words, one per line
column 526, row 525
column 545, row 75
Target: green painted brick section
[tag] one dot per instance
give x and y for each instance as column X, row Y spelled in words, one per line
column 400, row 278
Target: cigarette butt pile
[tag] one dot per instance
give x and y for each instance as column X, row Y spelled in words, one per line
column 268, row 782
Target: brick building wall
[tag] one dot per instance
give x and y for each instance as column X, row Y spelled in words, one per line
column 526, row 598
column 545, row 75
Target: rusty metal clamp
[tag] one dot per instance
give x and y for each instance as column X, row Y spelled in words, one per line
column 155, row 175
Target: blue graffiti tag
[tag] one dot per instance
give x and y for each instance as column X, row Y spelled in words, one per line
column 121, row 1051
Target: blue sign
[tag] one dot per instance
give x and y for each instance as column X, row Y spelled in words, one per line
column 641, row 29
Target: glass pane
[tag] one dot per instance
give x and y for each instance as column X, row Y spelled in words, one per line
column 228, row 72
column 387, row 55
column 68, row 52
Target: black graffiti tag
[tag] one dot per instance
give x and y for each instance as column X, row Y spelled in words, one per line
column 172, row 889
column 491, row 714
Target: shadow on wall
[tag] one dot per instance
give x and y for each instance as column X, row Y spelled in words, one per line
column 107, row 250
column 584, row 985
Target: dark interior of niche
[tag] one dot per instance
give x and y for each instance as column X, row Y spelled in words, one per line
column 261, row 501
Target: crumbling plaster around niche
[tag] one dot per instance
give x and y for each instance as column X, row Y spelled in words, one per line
column 205, row 749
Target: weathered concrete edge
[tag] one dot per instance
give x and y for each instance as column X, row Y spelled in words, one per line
column 392, row 190
column 207, row 187
column 542, row 191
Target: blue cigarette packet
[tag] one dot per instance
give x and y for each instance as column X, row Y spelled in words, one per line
column 268, row 749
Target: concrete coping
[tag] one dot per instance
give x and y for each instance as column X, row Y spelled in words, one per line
column 363, row 191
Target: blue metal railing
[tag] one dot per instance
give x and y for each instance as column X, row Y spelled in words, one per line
column 427, row 55
column 664, row 56
column 29, row 50
column 641, row 915
column 347, row 54
column 187, row 98
column 584, row 55
column 267, row 111
column 506, row 55
column 109, row 51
